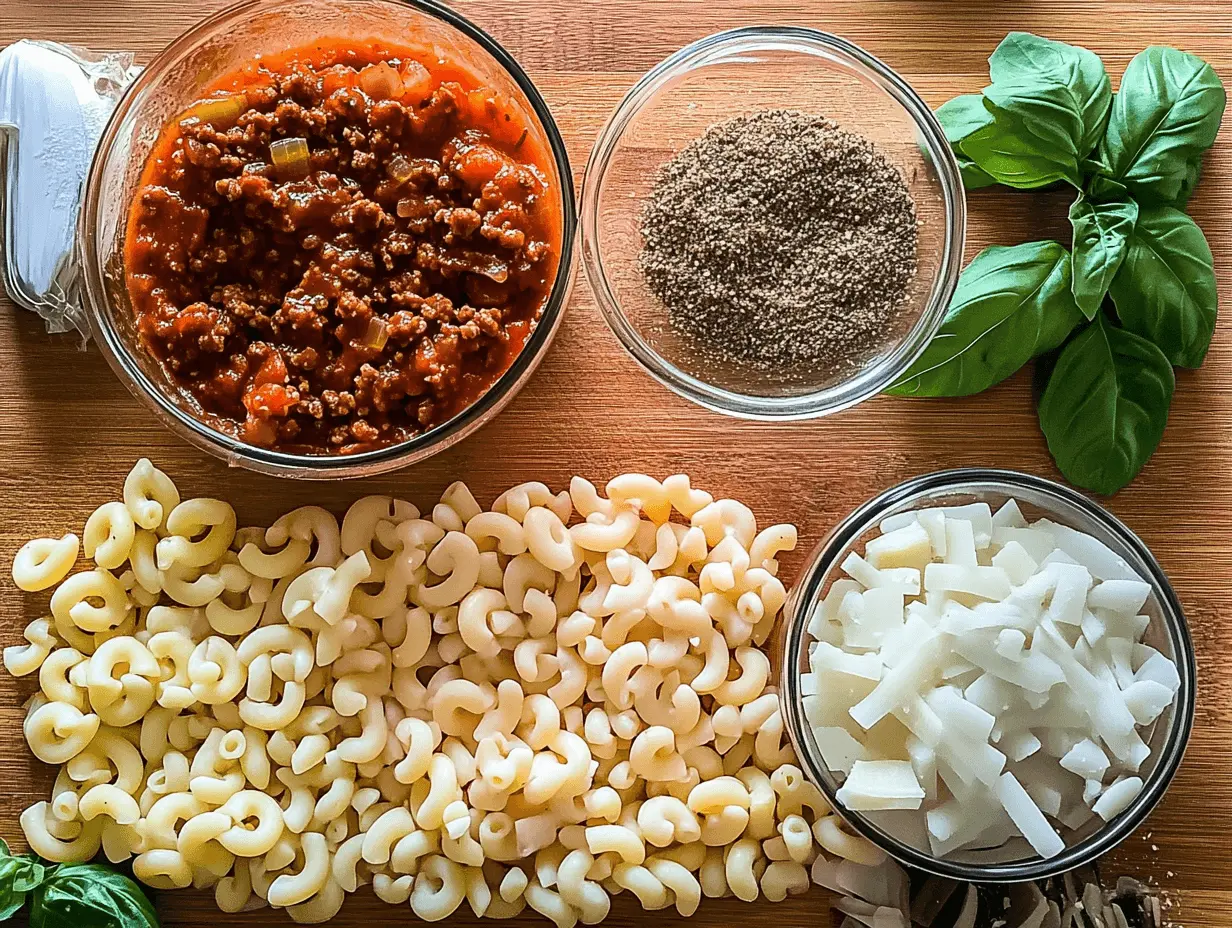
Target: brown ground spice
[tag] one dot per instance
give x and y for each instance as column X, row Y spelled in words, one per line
column 779, row 239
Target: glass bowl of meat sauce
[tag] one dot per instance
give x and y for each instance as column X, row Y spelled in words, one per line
column 739, row 247
column 325, row 239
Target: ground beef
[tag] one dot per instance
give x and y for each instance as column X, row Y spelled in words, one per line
column 354, row 298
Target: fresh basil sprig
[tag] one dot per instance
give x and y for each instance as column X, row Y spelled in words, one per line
column 1140, row 271
column 71, row 895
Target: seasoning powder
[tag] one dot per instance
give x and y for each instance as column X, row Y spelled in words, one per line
column 778, row 240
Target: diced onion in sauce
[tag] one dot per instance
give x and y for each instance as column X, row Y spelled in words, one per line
column 290, row 157
column 380, row 81
column 377, row 334
column 416, row 82
column 220, row 112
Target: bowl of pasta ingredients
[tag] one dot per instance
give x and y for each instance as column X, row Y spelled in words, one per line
column 989, row 675
column 328, row 240
column 773, row 223
column 535, row 704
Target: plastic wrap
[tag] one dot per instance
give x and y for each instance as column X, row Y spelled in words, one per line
column 54, row 102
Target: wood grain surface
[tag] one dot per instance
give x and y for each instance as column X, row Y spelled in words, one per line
column 69, row 431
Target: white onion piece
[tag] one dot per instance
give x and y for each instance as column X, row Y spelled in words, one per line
column 1028, row 817
column 1116, row 798
column 881, row 784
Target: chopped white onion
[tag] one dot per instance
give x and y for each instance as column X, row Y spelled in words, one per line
column 981, row 679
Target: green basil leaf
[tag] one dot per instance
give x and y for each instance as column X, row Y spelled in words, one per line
column 19, row 875
column 90, row 896
column 30, row 873
column 1164, row 118
column 1105, row 406
column 1019, row 147
column 1011, row 304
column 1022, row 56
column 1165, row 289
column 1101, row 238
column 959, row 118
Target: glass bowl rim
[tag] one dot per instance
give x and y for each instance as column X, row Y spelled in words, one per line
column 323, row 466
column 849, row 392
column 959, row 480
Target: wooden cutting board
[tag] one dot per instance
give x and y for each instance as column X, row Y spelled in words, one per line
column 69, row 431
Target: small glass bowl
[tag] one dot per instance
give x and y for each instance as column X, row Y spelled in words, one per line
column 1013, row 861
column 743, row 71
column 216, row 46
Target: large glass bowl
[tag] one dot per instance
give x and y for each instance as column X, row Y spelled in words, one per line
column 1167, row 633
column 217, row 46
column 739, row 72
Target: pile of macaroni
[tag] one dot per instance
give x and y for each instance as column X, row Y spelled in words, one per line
column 490, row 706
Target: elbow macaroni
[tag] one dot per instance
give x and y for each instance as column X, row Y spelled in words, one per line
column 420, row 703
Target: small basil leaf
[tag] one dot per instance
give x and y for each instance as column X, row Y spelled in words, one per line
column 1164, row 118
column 30, row 872
column 1011, row 304
column 1101, row 237
column 1105, row 406
column 1022, row 56
column 12, row 869
column 90, row 896
column 1165, row 289
column 1008, row 149
column 23, row 871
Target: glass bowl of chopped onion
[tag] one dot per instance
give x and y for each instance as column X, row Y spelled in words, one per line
column 988, row 674
column 181, row 86
column 773, row 223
